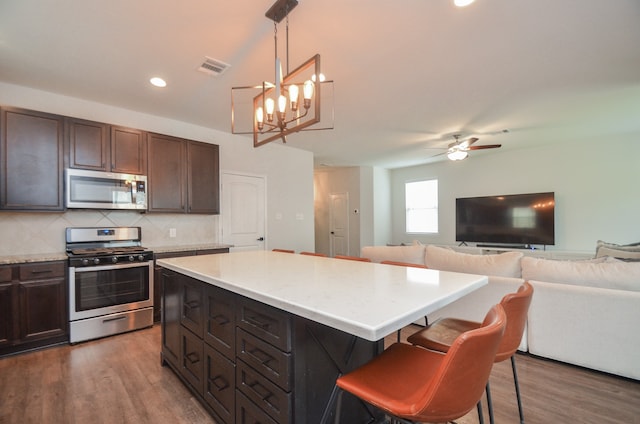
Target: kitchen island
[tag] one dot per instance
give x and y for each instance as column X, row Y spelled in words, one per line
column 261, row 336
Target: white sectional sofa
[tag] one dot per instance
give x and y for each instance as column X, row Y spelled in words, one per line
column 583, row 312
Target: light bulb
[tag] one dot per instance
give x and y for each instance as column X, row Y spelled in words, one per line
column 260, row 117
column 282, row 104
column 462, row 3
column 269, row 104
column 307, row 91
column 293, row 96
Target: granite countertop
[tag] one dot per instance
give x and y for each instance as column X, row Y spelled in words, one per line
column 39, row 257
column 62, row 256
column 368, row 300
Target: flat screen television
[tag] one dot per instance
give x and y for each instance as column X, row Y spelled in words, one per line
column 516, row 219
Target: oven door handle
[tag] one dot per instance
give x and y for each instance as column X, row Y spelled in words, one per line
column 109, row 267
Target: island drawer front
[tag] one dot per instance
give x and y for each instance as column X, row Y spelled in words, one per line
column 267, row 396
column 248, row 413
column 267, row 360
column 270, row 324
column 220, row 324
column 5, row 274
column 42, row 270
column 220, row 384
column 192, row 315
column 192, row 359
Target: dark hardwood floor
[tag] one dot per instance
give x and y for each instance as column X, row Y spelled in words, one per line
column 120, row 380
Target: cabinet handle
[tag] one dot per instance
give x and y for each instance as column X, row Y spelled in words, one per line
column 220, row 386
column 41, row 271
column 220, row 319
column 260, row 390
column 256, row 322
column 263, row 357
column 192, row 305
column 192, row 357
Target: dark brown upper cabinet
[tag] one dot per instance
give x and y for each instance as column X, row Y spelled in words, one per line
column 31, row 160
column 103, row 147
column 183, row 175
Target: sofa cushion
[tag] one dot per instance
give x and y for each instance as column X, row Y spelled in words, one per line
column 618, row 275
column 413, row 254
column 628, row 251
column 502, row 265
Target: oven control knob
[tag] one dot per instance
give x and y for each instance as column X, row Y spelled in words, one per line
column 85, row 262
column 131, row 258
column 140, row 258
column 114, row 260
column 96, row 261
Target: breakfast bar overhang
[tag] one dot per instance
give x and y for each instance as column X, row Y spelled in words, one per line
column 261, row 336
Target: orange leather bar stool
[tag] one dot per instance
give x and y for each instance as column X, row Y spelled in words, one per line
column 440, row 335
column 419, row 385
column 313, row 254
column 352, row 258
column 409, row 264
column 283, row 250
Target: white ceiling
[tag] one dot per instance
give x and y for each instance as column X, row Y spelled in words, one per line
column 407, row 74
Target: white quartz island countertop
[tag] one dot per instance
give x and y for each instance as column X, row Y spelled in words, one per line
column 368, row 300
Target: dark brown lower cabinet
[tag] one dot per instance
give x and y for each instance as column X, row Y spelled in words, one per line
column 33, row 306
column 252, row 363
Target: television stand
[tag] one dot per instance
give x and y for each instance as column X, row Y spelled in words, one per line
column 507, row 246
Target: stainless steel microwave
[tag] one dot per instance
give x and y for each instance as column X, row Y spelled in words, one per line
column 104, row 190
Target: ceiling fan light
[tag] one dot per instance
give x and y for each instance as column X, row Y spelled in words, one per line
column 456, row 154
column 462, row 3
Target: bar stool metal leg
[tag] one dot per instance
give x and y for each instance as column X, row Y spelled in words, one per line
column 515, row 380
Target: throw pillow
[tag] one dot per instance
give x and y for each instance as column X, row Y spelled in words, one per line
column 608, row 274
column 627, row 251
column 502, row 265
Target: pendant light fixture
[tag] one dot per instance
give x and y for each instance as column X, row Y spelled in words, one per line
column 292, row 102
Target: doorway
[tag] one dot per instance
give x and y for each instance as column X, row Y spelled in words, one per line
column 243, row 211
column 338, row 224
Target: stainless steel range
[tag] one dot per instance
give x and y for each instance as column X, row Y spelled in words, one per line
column 110, row 281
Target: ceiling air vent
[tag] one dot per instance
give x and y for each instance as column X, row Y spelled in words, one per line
column 213, row 66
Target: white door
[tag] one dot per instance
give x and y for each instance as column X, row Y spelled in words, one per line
column 339, row 224
column 243, row 211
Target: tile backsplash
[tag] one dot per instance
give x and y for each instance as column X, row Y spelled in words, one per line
column 43, row 232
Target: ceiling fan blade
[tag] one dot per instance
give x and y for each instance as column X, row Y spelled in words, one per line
column 472, row 140
column 486, row 146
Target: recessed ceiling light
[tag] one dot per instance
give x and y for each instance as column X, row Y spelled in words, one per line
column 462, row 3
column 158, row 82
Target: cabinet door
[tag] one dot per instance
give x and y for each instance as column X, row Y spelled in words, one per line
column 220, row 320
column 219, row 384
column 192, row 359
column 167, row 174
column 42, row 309
column 31, row 160
column 128, row 151
column 171, row 317
column 192, row 305
column 7, row 318
column 203, row 178
column 88, row 145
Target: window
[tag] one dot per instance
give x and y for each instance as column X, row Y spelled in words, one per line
column 421, row 201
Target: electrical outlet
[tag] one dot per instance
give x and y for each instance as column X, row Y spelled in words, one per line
column 172, row 232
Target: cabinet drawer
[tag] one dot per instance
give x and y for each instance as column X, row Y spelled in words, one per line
column 192, row 359
column 220, row 321
column 39, row 271
column 192, row 315
column 270, row 324
column 266, row 359
column 220, row 384
column 248, row 413
column 5, row 274
column 266, row 395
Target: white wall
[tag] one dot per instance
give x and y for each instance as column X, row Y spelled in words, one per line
column 596, row 187
column 288, row 171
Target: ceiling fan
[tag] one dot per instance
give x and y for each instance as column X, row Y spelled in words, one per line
column 459, row 149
